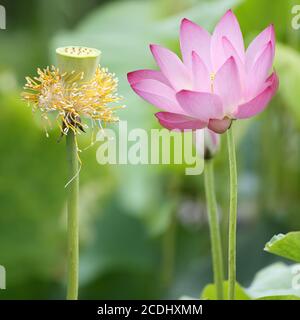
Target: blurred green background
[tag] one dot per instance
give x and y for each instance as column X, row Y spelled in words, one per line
column 144, row 231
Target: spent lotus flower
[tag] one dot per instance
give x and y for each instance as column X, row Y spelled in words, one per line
column 78, row 88
column 216, row 81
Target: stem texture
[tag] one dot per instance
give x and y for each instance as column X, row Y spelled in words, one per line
column 72, row 207
column 232, row 215
column 215, row 237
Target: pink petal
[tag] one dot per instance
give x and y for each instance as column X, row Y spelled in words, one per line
column 173, row 121
column 227, row 85
column 201, row 105
column 231, row 52
column 201, row 76
column 158, row 94
column 219, row 126
column 259, row 103
column 194, row 38
column 136, row 76
column 227, row 27
column 172, row 67
column 260, row 70
column 258, row 44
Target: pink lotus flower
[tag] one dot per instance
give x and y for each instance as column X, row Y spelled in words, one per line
column 216, row 82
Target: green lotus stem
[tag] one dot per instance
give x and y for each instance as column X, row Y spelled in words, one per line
column 215, row 237
column 232, row 215
column 79, row 63
column 73, row 223
column 224, row 232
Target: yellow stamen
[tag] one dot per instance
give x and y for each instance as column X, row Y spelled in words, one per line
column 51, row 91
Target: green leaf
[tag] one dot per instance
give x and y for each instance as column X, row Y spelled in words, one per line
column 209, row 292
column 285, row 245
column 275, row 282
column 278, row 280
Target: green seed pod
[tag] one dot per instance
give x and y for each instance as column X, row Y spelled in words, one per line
column 79, row 61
